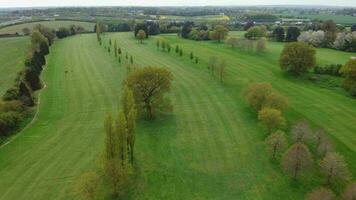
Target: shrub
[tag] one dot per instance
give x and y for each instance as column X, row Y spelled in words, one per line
column 297, row 57
column 256, row 32
column 271, row 118
column 8, row 121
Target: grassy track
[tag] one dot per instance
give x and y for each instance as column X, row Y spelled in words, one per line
column 51, row 24
column 68, row 135
column 12, row 57
column 210, row 147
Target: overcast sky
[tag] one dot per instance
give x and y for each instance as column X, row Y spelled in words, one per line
column 36, row 3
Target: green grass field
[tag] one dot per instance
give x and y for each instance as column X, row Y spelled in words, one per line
column 88, row 26
column 12, row 57
column 210, row 147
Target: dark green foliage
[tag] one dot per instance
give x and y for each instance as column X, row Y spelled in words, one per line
column 196, row 60
column 32, row 78
column 187, row 27
column 279, row 34
column 191, row 55
column 177, row 49
column 353, row 28
column 332, row 69
column 25, row 94
column 292, row 34
column 131, row 59
column 9, row 121
column 349, row 71
column 180, row 52
column 63, row 32
column 141, row 26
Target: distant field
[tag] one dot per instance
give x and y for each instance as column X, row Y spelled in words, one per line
column 339, row 19
column 12, row 57
column 52, row 24
column 196, row 18
column 210, row 147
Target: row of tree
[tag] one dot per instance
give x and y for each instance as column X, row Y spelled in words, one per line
column 247, row 44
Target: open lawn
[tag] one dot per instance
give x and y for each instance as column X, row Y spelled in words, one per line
column 210, row 147
column 88, row 26
column 12, row 57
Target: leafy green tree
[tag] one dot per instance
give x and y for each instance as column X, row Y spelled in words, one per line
column 275, row 100
column 276, row 143
column 131, row 60
column 334, row 168
column 177, row 49
column 141, row 35
column 321, row 194
column 196, row 60
column 121, row 131
column 129, row 108
column 110, row 43
column 292, row 34
column 279, row 34
column 296, row 160
column 149, row 84
column 255, row 32
column 271, row 118
column 330, row 29
column 256, row 94
column 180, row 52
column 111, row 139
column 219, row 33
column 119, row 51
column 349, row 71
column 191, row 55
column 297, row 57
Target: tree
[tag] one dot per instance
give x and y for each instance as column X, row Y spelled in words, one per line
column 87, row 186
column 315, row 38
column 212, row 65
column 279, row 34
column 321, row 194
column 36, row 40
column 296, row 160
column 276, row 143
column 141, row 35
column 177, row 49
column 131, row 60
column 271, row 118
column 26, row 31
column 248, row 25
column 157, row 44
column 191, row 55
column 349, row 71
column 129, row 108
column 275, row 100
column 196, row 60
column 322, row 143
column 330, row 29
column 180, row 52
column 119, row 51
column 353, row 28
column 222, row 71
column 111, row 139
column 261, row 45
column 149, row 85
column 64, row 32
column 350, row 192
column 301, row 132
column 141, row 26
column 115, row 48
column 163, row 45
column 46, row 32
column 110, row 43
column 255, row 32
column 297, row 57
column 169, row 48
column 186, row 29
column 233, row 41
column 292, row 34
column 334, row 168
column 256, row 94
column 219, row 33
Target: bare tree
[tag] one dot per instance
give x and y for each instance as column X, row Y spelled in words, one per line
column 296, row 160
column 334, row 168
column 301, row 132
